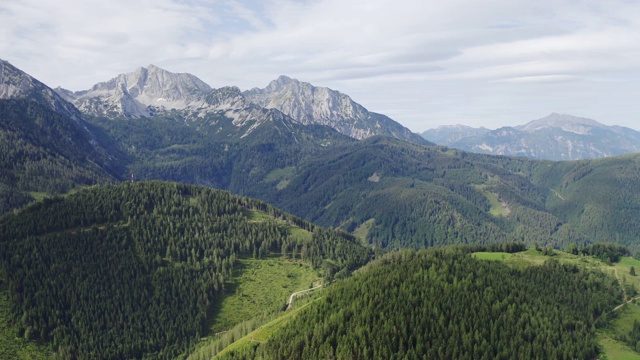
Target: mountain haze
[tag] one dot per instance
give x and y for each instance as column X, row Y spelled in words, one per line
column 555, row 137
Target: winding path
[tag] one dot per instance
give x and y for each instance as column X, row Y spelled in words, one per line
column 625, row 303
column 299, row 292
column 624, row 294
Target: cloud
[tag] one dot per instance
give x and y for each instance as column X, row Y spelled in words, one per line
column 544, row 79
column 459, row 60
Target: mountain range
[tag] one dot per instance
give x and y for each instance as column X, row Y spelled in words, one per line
column 149, row 269
column 554, row 137
column 151, row 91
column 390, row 192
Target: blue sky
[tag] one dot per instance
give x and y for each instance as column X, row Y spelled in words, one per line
column 423, row 63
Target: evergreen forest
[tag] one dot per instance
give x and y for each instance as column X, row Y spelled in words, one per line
column 132, row 270
column 444, row 304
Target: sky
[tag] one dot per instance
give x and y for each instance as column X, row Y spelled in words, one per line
column 424, row 63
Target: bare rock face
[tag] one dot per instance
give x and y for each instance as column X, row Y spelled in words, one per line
column 320, row 105
column 152, row 90
column 67, row 135
column 141, row 93
column 14, row 83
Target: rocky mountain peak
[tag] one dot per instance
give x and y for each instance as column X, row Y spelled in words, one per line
column 281, row 82
column 13, row 82
column 309, row 104
column 142, row 92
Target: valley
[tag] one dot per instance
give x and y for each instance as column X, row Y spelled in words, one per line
column 291, row 222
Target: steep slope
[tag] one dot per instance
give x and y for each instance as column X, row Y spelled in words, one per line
column 555, row 137
column 45, row 143
column 133, row 270
column 320, row 105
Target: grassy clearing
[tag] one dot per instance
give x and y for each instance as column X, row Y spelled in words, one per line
column 257, row 216
column 281, row 176
column 496, row 208
column 300, row 234
column 615, row 350
column 498, row 256
column 362, row 231
column 621, row 325
column 261, row 286
column 626, row 315
column 294, row 231
column 39, row 196
column 264, row 332
column 257, row 293
column 623, row 269
column 11, row 346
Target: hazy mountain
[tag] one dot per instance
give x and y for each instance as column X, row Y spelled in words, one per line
column 555, row 137
column 447, row 134
column 320, row 105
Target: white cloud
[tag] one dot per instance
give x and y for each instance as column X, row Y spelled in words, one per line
column 424, row 63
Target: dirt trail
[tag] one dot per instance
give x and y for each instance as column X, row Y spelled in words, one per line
column 299, row 292
column 624, row 292
column 625, row 303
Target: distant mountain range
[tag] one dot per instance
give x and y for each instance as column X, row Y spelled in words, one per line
column 555, row 137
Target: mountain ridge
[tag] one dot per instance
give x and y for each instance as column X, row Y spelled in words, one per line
column 149, row 91
column 45, row 142
column 311, row 104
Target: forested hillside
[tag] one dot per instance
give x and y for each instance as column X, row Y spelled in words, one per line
column 130, row 270
column 447, row 305
column 599, row 197
column 402, row 195
column 391, row 193
column 45, row 151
